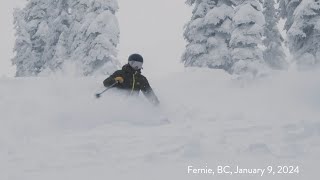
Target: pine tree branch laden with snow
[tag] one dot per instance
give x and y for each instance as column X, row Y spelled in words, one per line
column 246, row 39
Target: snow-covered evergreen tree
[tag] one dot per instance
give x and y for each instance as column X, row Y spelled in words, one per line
column 94, row 35
column 247, row 37
column 208, row 34
column 274, row 54
column 303, row 25
column 51, row 33
column 31, row 31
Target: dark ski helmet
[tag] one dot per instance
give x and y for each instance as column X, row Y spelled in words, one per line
column 135, row 61
column 135, row 57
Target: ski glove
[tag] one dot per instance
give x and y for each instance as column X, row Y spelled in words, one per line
column 119, row 79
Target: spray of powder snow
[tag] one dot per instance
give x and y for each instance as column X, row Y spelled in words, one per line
column 54, row 128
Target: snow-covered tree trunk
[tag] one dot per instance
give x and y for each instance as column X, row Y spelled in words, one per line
column 274, row 54
column 303, row 25
column 246, row 39
column 208, row 34
column 94, row 36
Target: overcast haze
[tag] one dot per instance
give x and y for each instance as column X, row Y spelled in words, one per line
column 151, row 27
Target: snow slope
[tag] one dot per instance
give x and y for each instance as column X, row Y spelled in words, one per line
column 54, row 128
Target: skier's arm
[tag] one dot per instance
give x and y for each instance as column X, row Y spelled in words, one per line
column 149, row 93
column 116, row 76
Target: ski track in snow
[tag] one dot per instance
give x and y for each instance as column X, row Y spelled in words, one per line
column 54, row 128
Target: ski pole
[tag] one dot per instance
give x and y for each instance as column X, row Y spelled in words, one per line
column 98, row 95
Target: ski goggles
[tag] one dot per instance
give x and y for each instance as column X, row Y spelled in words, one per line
column 136, row 65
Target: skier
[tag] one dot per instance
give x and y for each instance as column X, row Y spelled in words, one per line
column 131, row 80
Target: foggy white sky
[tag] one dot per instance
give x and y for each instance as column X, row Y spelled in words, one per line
column 153, row 28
